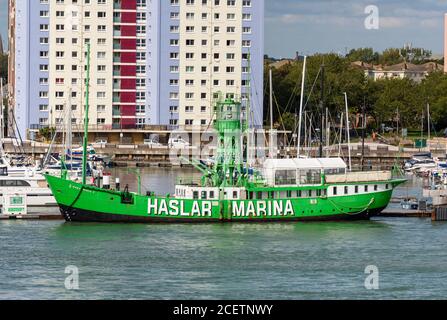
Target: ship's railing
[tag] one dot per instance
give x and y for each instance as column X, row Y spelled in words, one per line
column 359, row 177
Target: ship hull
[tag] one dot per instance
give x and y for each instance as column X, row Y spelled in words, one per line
column 81, row 215
column 80, row 203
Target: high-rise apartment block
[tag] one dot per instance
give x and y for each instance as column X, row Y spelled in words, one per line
column 153, row 62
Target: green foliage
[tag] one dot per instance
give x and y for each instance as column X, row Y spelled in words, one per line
column 383, row 99
column 47, row 133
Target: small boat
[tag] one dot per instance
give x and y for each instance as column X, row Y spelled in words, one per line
column 32, row 190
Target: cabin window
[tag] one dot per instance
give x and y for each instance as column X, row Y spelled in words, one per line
column 285, row 177
column 356, row 189
column 335, row 171
column 204, row 195
column 334, row 191
column 386, row 186
column 309, row 177
column 211, row 194
column 375, row 187
column 270, row 194
column 195, row 195
column 324, row 192
column 289, row 194
column 366, row 188
column 311, row 193
column 318, row 193
column 14, row 183
column 259, row 195
column 235, row 195
column 346, row 189
column 298, row 193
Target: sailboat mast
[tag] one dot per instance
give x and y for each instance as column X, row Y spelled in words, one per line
column 87, row 85
column 271, row 115
column 347, row 131
column 2, row 113
column 248, row 110
column 428, row 120
column 303, row 78
column 322, row 111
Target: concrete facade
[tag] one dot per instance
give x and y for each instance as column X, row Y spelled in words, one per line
column 158, row 62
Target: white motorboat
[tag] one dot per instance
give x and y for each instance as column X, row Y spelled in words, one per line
column 32, row 190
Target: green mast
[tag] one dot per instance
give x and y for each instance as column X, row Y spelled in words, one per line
column 84, row 153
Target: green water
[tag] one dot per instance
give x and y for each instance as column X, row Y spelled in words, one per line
column 240, row 261
column 223, row 261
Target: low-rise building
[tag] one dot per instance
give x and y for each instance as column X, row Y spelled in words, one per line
column 415, row 72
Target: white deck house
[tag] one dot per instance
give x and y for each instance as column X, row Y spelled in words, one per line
column 301, row 171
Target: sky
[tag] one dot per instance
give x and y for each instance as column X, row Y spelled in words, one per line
column 310, row 26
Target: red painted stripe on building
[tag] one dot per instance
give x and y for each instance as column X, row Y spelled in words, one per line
column 128, row 17
column 128, row 57
column 128, row 44
column 128, row 84
column 129, row 4
column 128, row 71
column 129, row 31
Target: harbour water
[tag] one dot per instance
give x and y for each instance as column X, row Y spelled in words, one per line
column 222, row 261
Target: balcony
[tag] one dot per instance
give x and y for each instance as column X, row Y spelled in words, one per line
column 117, row 46
column 117, row 73
column 116, row 99
column 116, row 112
column 117, row 33
column 117, row 19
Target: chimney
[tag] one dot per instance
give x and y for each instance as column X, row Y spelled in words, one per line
column 445, row 43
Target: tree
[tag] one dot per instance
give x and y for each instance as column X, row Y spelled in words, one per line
column 363, row 54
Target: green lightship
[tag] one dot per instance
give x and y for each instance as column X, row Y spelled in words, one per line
column 282, row 190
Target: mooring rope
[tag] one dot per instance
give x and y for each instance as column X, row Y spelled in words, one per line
column 355, row 213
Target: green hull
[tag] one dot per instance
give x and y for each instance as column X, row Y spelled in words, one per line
column 87, row 203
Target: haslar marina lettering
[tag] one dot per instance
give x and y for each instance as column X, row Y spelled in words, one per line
column 175, row 207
